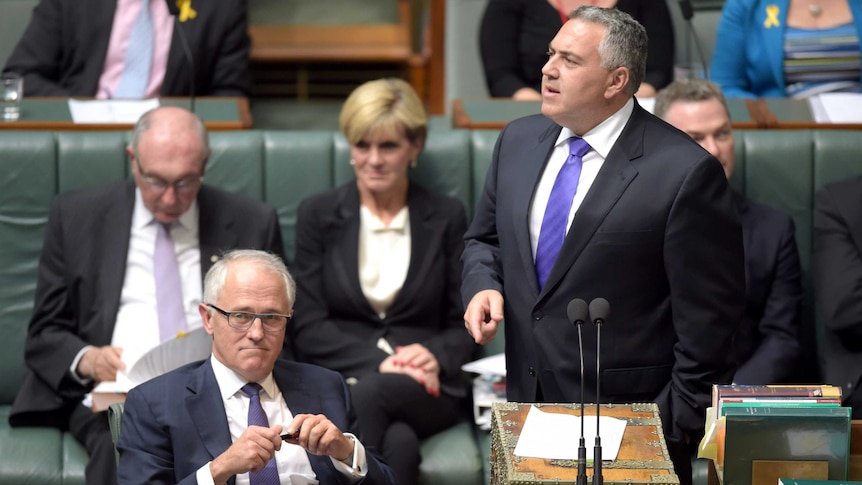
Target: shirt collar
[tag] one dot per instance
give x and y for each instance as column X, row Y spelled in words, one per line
column 142, row 217
column 605, row 134
column 230, row 383
column 399, row 222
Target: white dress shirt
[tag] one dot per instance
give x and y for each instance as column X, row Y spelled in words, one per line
column 136, row 329
column 601, row 140
column 384, row 257
column 294, row 467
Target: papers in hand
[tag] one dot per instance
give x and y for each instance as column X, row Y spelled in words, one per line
column 123, row 111
column 556, row 435
column 186, row 348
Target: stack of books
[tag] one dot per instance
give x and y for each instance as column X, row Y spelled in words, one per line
column 767, row 432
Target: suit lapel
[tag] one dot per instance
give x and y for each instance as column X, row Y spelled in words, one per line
column 300, row 401
column 530, row 172
column 214, row 229
column 206, row 409
column 613, row 178
column 426, row 233
column 176, row 70
column 345, row 237
column 116, row 227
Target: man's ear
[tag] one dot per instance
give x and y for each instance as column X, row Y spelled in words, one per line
column 618, row 81
column 206, row 316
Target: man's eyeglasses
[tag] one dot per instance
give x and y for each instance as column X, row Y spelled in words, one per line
column 158, row 184
column 272, row 322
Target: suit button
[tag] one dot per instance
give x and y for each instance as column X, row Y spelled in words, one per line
column 532, row 371
column 537, row 315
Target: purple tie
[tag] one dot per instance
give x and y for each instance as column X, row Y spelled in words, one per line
column 256, row 417
column 169, row 290
column 553, row 231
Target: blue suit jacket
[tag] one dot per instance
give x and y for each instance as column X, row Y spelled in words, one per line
column 767, row 346
column 175, row 423
column 657, row 235
column 748, row 60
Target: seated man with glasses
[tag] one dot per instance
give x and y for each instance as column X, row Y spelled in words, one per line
column 121, row 271
column 244, row 412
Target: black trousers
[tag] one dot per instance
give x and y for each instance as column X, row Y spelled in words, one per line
column 395, row 413
column 92, row 430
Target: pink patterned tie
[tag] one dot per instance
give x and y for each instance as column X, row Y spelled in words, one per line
column 169, row 290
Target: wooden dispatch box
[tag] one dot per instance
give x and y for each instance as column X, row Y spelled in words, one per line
column 642, row 459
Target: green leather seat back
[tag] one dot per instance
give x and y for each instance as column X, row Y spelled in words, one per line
column 297, row 166
column 482, row 151
column 236, row 162
column 89, row 159
column 28, row 181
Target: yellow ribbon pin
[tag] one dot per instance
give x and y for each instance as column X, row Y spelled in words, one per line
column 186, row 10
column 771, row 16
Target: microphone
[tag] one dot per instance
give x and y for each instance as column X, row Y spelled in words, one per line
column 599, row 311
column 174, row 10
column 687, row 13
column 577, row 313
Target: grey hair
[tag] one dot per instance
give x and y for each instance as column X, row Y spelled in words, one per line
column 216, row 277
column 624, row 43
column 687, row 90
column 146, row 121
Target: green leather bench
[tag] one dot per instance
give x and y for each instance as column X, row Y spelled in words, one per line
column 781, row 168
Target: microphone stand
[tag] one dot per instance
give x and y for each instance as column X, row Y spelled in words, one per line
column 599, row 310
column 577, row 312
column 582, row 446
column 687, row 14
column 598, row 479
column 174, row 11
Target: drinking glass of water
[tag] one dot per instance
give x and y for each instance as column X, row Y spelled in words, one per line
column 11, row 92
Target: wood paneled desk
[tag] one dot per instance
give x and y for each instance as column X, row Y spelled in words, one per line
column 53, row 114
column 772, row 113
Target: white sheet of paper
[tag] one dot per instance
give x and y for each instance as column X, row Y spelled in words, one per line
column 494, row 364
column 836, row 107
column 195, row 345
column 557, row 436
column 110, row 110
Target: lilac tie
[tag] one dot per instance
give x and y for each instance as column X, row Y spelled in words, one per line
column 256, row 417
column 139, row 56
column 169, row 291
column 553, row 231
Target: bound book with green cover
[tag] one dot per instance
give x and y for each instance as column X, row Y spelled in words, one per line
column 800, row 434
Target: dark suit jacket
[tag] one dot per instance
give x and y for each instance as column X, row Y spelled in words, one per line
column 837, row 268
column 657, row 235
column 62, row 52
column 335, row 326
column 768, row 341
column 81, row 272
column 175, row 424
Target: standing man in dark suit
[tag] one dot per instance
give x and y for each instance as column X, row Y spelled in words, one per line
column 81, row 48
column 767, row 345
column 651, row 227
column 97, row 303
column 836, row 264
column 221, row 419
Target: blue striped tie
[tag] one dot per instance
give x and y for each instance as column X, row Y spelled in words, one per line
column 139, row 56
